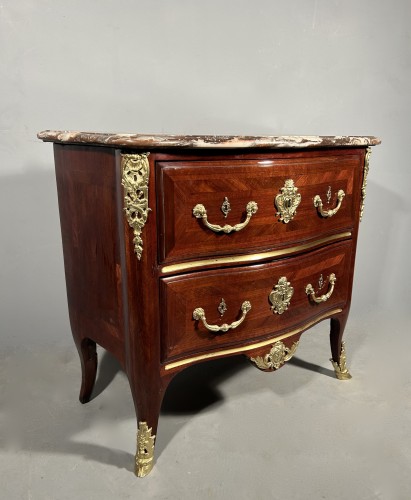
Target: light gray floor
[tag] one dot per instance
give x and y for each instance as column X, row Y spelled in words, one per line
column 226, row 430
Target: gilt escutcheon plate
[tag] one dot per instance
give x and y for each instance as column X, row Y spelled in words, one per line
column 280, row 296
column 288, row 201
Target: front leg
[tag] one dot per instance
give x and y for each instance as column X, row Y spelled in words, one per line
column 338, row 359
column 145, row 449
column 147, row 395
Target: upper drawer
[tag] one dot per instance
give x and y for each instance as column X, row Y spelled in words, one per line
column 281, row 186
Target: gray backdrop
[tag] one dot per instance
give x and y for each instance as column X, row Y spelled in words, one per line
column 218, row 67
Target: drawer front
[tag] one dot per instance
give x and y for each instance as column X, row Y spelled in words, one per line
column 263, row 287
column 230, row 185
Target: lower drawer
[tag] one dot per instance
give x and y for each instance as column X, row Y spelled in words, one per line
column 209, row 310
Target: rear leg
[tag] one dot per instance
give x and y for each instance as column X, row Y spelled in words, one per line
column 88, row 359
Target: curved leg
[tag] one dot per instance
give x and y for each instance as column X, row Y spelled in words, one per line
column 147, row 402
column 148, row 413
column 338, row 359
column 88, row 358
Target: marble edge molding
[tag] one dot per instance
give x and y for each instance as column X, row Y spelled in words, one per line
column 205, row 141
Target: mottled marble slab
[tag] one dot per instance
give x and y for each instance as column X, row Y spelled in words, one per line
column 205, row 141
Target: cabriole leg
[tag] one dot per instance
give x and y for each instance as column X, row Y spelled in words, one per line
column 148, row 404
column 338, row 359
column 88, row 358
column 145, row 449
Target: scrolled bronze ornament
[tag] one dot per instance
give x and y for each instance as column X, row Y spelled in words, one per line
column 280, row 296
column 288, row 201
column 145, row 449
column 341, row 370
column 278, row 355
column 364, row 181
column 135, row 176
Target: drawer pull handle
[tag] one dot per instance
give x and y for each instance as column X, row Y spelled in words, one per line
column 200, row 212
column 328, row 213
column 309, row 290
column 199, row 314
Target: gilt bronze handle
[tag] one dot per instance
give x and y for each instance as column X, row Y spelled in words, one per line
column 200, row 212
column 309, row 290
column 199, row 314
column 328, row 213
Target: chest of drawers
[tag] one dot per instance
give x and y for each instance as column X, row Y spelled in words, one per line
column 179, row 249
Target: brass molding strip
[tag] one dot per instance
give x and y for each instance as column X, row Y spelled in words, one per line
column 255, row 257
column 236, row 350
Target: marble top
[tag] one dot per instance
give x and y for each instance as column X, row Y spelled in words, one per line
column 155, row 141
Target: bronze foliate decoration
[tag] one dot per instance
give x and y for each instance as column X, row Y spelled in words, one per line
column 136, row 171
column 145, row 449
column 288, row 201
column 364, row 181
column 341, row 370
column 280, row 296
column 277, row 356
